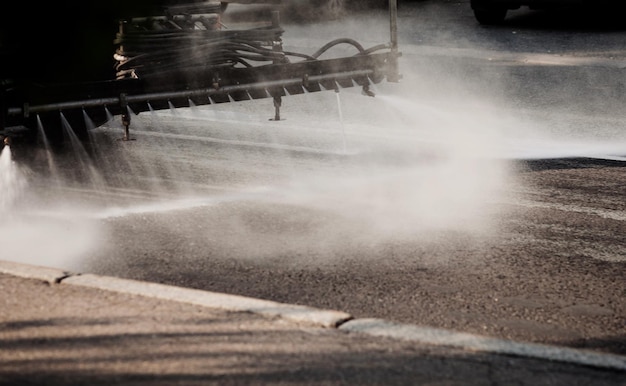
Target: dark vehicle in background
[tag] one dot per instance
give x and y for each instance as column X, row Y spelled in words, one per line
column 494, row 11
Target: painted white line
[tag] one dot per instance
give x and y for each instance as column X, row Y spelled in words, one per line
column 522, row 58
column 603, row 213
column 441, row 337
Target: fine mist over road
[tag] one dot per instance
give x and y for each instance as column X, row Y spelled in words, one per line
column 482, row 193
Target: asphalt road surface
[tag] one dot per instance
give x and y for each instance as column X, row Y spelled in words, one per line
column 485, row 192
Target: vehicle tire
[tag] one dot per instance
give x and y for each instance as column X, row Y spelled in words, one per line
column 490, row 16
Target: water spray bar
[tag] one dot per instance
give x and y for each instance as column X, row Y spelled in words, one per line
column 124, row 99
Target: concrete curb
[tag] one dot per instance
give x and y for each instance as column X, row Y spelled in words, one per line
column 323, row 318
column 50, row 275
column 441, row 337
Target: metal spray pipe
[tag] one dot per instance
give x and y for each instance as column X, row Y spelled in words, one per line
column 394, row 71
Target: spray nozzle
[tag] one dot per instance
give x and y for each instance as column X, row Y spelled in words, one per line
column 367, row 92
column 6, row 141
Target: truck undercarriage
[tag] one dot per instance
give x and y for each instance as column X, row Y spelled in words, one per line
column 166, row 55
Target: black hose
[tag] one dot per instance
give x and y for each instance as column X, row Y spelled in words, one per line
column 336, row 42
column 147, row 52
